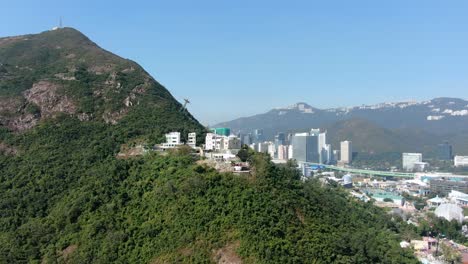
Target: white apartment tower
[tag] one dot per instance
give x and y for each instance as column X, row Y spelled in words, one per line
column 271, row 149
column 210, row 141
column 322, row 147
column 290, row 152
column 346, row 150
column 326, row 154
column 262, row 147
column 410, row 160
column 283, row 152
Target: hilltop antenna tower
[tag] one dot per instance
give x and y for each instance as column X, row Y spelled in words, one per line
column 60, row 22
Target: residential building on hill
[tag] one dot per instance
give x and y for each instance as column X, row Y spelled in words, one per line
column 192, row 140
column 172, row 140
column 216, row 142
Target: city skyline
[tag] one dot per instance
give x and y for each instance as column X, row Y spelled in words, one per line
column 238, row 54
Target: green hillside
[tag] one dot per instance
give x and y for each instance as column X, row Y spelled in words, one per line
column 63, row 72
column 66, row 198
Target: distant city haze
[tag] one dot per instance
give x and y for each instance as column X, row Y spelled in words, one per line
column 239, row 58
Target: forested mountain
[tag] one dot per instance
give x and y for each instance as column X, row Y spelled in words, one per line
column 439, row 116
column 63, row 72
column 67, row 107
column 370, row 138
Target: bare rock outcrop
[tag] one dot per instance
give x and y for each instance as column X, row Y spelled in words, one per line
column 13, row 116
column 23, row 122
column 46, row 95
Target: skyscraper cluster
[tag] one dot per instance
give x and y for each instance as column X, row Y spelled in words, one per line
column 304, row 147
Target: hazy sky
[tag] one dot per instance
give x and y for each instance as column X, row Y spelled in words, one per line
column 235, row 58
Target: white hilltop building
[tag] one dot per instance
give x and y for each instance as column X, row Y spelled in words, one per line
column 221, row 148
column 216, row 142
column 192, row 140
column 172, row 140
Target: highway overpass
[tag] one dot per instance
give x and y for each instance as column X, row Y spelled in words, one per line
column 364, row 172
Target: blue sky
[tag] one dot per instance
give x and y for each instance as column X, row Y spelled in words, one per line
column 238, row 58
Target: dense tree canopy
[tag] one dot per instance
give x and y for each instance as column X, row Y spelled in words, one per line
column 65, row 197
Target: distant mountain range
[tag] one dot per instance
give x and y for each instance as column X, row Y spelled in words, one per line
column 385, row 127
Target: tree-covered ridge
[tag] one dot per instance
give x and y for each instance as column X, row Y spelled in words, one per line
column 62, row 71
column 46, row 55
column 66, row 198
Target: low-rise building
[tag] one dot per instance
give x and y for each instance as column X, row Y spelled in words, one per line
column 231, row 142
column 460, row 161
column 436, row 201
column 459, row 198
column 216, row 142
column 420, row 166
column 220, row 157
column 172, row 140
column 445, row 186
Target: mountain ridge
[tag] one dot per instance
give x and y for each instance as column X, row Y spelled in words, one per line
column 300, row 106
column 444, row 106
column 76, row 77
column 410, row 125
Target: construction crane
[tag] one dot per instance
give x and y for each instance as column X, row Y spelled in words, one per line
column 186, row 101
